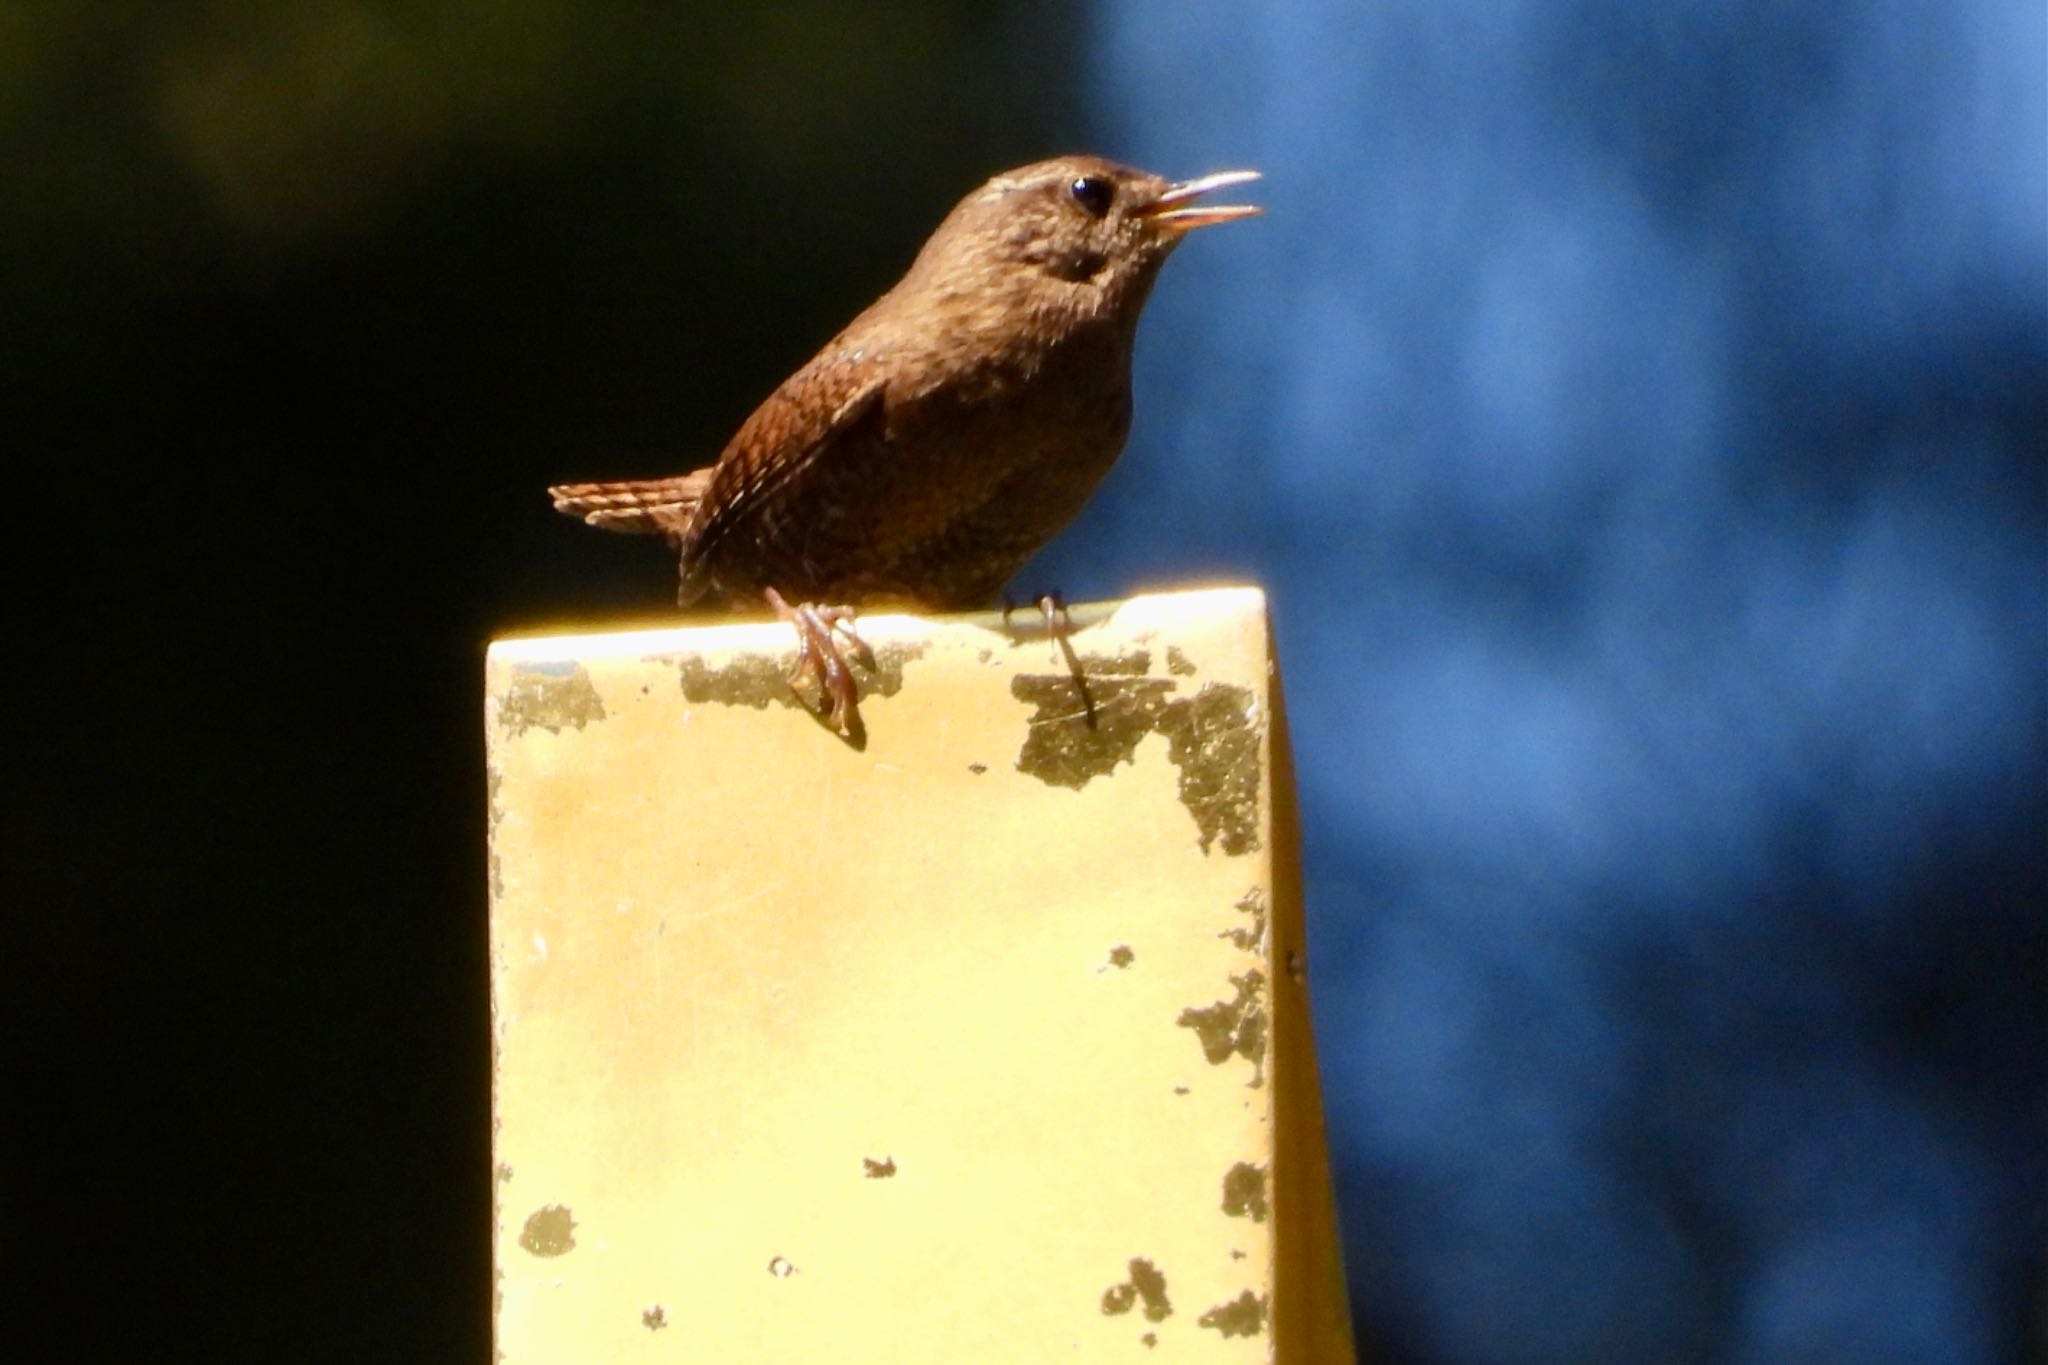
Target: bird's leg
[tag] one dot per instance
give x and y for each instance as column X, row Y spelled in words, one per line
column 1058, row 625
column 1059, row 628
column 818, row 654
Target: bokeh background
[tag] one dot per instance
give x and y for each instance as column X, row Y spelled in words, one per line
column 1638, row 413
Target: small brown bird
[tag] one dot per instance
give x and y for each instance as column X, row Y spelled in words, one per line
column 948, row 432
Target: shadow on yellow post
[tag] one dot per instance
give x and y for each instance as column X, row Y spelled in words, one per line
column 987, row 1041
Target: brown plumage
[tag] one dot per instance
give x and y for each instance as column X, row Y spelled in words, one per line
column 645, row 505
column 950, row 430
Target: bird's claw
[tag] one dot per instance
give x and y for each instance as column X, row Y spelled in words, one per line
column 818, row 656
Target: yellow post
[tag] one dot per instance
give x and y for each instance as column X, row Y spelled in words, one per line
column 986, row 1041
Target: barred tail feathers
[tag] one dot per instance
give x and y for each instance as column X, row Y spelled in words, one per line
column 635, row 506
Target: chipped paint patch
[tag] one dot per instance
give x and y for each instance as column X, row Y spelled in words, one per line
column 493, row 780
column 1132, row 663
column 1151, row 1285
column 1080, row 731
column 762, row 680
column 1122, row 956
column 654, row 1318
column 1243, row 1316
column 1244, row 1192
column 756, row 680
column 1146, row 1285
column 879, row 1170
column 1249, row 937
column 1178, row 663
column 549, row 701
column 549, row 1231
column 1234, row 1028
column 1074, row 738
column 1215, row 744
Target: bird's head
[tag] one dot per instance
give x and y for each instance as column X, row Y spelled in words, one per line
column 1078, row 231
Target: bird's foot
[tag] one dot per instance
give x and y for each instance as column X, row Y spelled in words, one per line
column 819, row 656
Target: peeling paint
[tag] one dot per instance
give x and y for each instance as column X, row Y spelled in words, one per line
column 1243, row 1316
column 763, row 680
column 1073, row 738
column 549, row 1231
column 1178, row 663
column 1215, row 743
column 550, row 702
column 1147, row 1284
column 1132, row 663
column 756, row 680
column 1244, row 1192
column 1081, row 731
column 1151, row 1285
column 1236, row 1027
column 1253, row 903
column 493, row 780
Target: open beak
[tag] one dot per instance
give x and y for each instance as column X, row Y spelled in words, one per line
column 1173, row 209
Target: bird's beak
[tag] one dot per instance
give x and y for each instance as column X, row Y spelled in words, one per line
column 1172, row 209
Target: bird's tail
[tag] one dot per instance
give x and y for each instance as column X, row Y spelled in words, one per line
column 639, row 506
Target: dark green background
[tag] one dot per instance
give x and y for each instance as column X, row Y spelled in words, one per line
column 302, row 307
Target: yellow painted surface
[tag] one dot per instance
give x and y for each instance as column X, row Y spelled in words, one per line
column 983, row 1041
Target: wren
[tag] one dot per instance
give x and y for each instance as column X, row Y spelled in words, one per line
column 948, row 432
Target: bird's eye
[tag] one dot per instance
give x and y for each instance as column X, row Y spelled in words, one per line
column 1092, row 193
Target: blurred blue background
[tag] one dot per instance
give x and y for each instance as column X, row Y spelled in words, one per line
column 1638, row 414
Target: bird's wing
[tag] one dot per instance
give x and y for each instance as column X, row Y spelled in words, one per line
column 828, row 414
